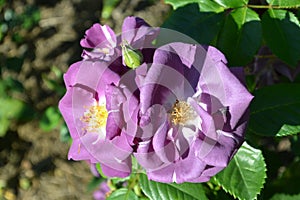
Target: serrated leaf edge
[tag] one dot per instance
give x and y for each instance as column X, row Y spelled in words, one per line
column 166, row 184
column 263, row 183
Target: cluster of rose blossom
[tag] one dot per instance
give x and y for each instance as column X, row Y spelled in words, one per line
column 176, row 108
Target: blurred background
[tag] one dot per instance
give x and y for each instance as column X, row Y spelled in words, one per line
column 39, row 39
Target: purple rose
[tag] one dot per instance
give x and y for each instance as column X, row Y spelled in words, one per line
column 85, row 111
column 105, row 44
column 101, row 132
column 181, row 111
column 193, row 112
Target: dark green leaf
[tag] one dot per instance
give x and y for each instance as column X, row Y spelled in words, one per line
column 281, row 30
column 285, row 197
column 285, row 3
column 275, row 110
column 245, row 175
column 241, row 36
column 201, row 26
column 153, row 190
column 295, row 145
column 122, row 194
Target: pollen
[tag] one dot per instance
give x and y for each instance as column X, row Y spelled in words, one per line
column 95, row 117
column 181, row 113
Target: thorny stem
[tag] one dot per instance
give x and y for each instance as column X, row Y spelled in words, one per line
column 272, row 7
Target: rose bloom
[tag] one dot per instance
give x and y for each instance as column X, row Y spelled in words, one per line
column 193, row 113
column 98, row 129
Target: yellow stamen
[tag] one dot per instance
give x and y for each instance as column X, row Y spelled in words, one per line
column 95, row 117
column 181, row 112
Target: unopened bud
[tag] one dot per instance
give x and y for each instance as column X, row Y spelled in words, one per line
column 132, row 57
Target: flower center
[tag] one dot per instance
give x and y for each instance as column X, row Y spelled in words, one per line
column 95, row 117
column 181, row 113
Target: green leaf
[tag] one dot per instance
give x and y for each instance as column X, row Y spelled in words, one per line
column 232, row 3
column 275, row 111
column 122, row 194
column 285, row 197
column 205, row 5
column 201, row 26
column 245, row 175
column 281, row 30
column 285, row 3
column 10, row 109
column 213, row 5
column 241, row 36
column 286, row 130
column 153, row 190
column 210, row 6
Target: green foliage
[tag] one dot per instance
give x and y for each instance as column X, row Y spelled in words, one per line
column 275, row 110
column 213, row 5
column 123, row 194
column 236, row 29
column 155, row 190
column 232, row 3
column 245, row 175
column 281, row 30
column 285, row 197
column 188, row 20
column 285, row 3
column 210, row 6
column 240, row 36
column 295, row 145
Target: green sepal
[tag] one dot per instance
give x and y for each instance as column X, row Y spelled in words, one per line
column 132, row 57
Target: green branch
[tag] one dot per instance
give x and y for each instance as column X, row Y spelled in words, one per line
column 272, row 7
